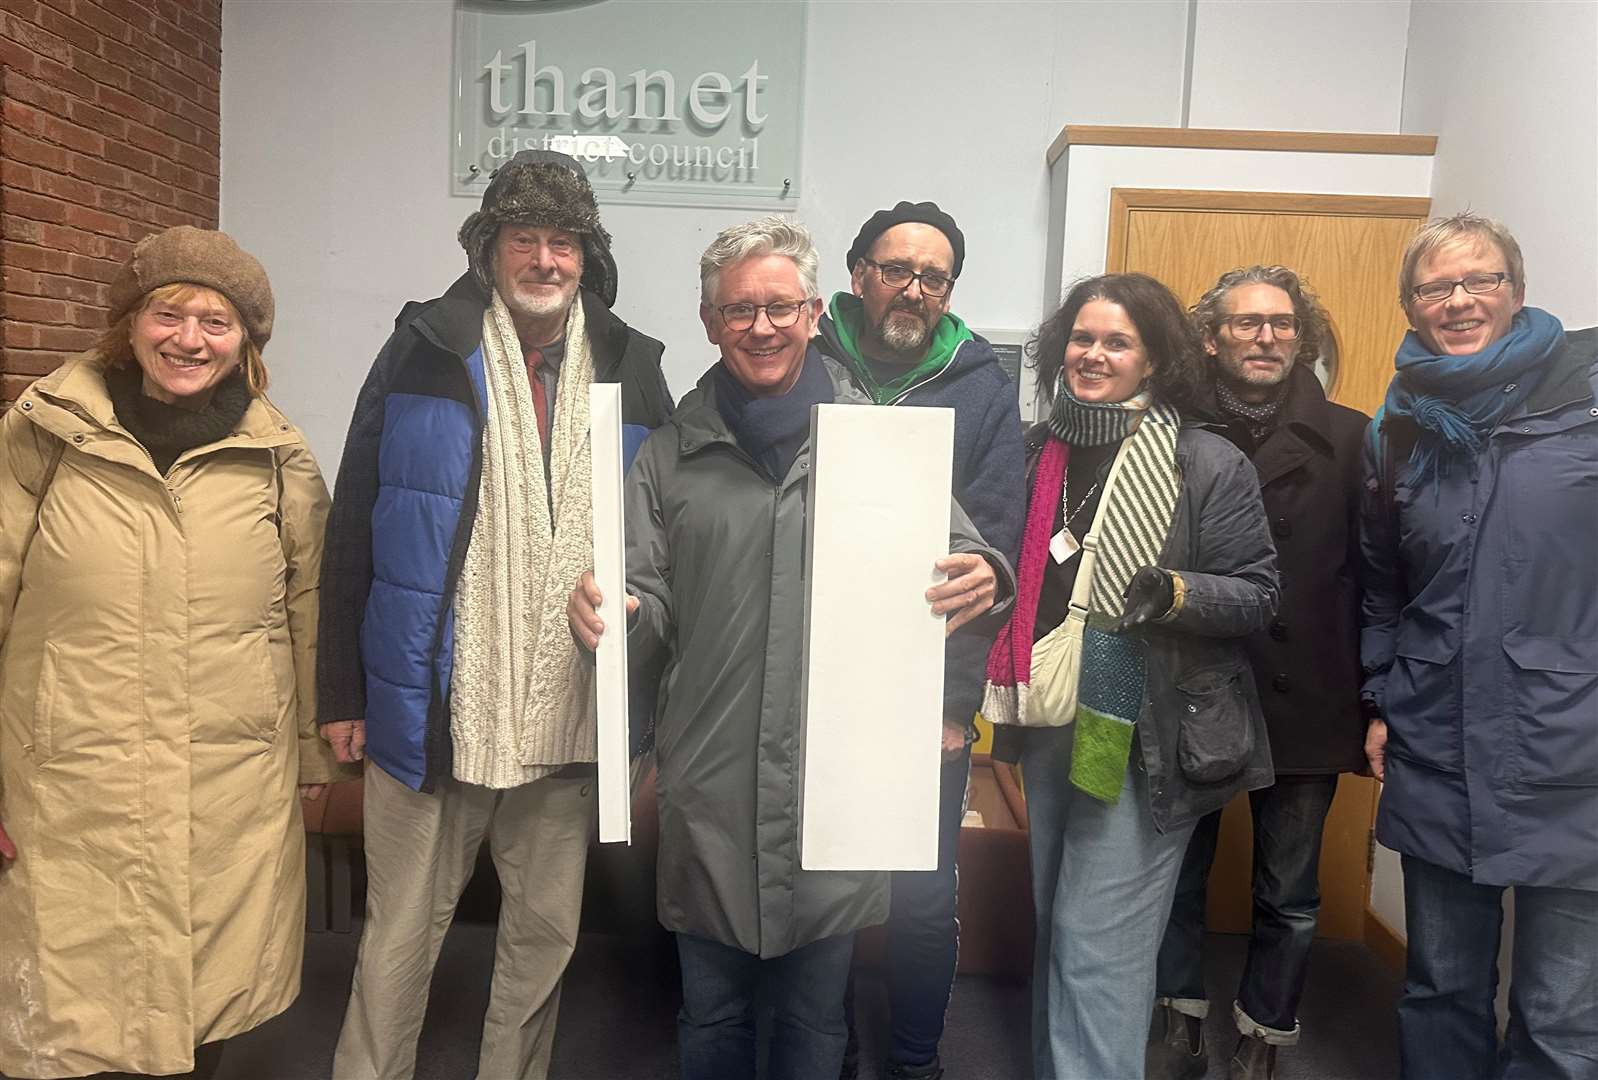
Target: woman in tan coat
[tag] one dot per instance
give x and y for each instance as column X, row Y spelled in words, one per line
column 160, row 543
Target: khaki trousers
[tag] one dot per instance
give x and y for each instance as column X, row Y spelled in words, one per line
column 420, row 851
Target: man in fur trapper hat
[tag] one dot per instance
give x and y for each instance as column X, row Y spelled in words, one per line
column 462, row 519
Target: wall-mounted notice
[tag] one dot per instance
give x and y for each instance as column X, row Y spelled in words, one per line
column 1010, row 347
column 610, row 574
column 873, row 669
column 665, row 103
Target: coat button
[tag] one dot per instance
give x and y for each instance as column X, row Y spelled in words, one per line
column 1278, row 631
column 1279, row 683
column 1282, row 528
column 27, row 406
column 78, row 438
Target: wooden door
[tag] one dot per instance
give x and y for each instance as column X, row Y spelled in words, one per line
column 1349, row 249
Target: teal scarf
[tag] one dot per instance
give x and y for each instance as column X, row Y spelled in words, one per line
column 1456, row 401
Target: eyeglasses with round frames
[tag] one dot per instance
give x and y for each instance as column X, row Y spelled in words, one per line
column 1249, row 324
column 780, row 313
column 895, row 276
column 1432, row 292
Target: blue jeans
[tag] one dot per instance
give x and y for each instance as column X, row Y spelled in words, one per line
column 1447, row 1029
column 1102, row 881
column 716, row 1026
column 1288, row 819
column 923, row 934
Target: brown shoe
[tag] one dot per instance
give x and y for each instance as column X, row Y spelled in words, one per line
column 1254, row 1059
column 1176, row 1047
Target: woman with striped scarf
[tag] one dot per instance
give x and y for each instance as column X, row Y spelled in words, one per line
column 1166, row 724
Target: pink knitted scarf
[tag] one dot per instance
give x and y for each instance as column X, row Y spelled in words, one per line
column 1010, row 662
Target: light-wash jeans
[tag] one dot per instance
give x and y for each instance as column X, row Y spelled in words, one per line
column 1102, row 882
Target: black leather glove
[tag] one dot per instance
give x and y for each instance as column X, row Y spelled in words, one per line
column 1149, row 595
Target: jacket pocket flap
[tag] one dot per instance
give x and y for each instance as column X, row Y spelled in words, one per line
column 1207, row 680
column 1532, row 653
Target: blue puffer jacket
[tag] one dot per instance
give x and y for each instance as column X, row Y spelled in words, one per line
column 1480, row 639
column 402, row 515
column 989, row 481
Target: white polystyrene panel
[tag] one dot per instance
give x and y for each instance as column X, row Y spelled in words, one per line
column 610, row 573
column 873, row 666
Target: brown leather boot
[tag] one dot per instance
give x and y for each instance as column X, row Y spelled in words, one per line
column 1176, row 1047
column 1254, row 1059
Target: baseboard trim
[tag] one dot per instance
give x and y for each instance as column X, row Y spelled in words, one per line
column 1385, row 942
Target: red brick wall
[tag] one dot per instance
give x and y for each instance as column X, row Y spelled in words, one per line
column 110, row 128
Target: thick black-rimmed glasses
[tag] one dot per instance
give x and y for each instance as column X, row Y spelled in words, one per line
column 780, row 313
column 1249, row 324
column 895, row 276
column 1476, row 284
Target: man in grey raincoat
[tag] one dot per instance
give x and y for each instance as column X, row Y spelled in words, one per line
column 715, row 505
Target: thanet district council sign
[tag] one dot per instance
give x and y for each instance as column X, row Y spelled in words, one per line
column 665, row 102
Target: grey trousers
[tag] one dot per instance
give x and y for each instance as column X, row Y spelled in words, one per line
column 420, row 851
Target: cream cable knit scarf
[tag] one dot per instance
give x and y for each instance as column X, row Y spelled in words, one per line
column 518, row 693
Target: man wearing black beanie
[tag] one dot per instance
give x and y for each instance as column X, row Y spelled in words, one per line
column 894, row 333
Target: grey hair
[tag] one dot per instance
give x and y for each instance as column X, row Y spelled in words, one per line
column 1443, row 231
column 773, row 235
column 1206, row 314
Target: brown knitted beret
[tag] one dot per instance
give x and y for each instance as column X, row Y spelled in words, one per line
column 194, row 256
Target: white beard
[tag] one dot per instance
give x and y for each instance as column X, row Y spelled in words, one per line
column 540, row 304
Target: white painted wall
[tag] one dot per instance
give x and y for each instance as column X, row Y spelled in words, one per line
column 335, row 118
column 1300, row 65
column 1387, row 890
column 1518, row 131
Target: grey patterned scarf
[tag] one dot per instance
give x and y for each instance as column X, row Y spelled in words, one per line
column 1094, row 423
column 1258, row 418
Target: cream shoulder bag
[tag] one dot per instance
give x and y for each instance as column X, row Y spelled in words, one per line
column 1057, row 656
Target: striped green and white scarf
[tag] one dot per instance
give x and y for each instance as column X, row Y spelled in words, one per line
column 1136, row 521
column 1095, row 423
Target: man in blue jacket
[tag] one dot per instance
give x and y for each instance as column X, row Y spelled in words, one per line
column 894, row 333
column 461, row 519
